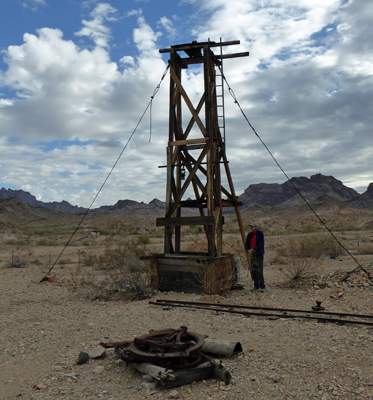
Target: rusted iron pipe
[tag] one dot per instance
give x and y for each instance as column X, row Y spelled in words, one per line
column 221, row 347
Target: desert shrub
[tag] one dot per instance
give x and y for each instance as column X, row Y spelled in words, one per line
column 143, row 239
column 278, row 259
column 308, row 228
column 277, row 232
column 350, row 227
column 195, row 230
column 88, row 258
column 16, row 262
column 284, row 230
column 46, row 242
column 105, row 232
column 297, row 268
column 16, row 242
column 158, row 233
column 364, row 248
column 313, row 245
column 118, row 272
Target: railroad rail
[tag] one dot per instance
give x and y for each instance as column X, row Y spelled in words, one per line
column 319, row 315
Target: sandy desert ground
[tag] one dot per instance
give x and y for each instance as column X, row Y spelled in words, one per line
column 44, row 326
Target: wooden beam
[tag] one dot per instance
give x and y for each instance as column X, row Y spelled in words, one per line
column 182, row 221
column 231, row 203
column 188, row 46
column 189, row 141
column 192, row 121
column 199, row 60
column 188, row 103
column 193, row 203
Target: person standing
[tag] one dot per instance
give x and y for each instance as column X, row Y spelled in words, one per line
column 255, row 248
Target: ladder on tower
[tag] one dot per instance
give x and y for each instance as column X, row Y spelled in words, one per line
column 219, row 95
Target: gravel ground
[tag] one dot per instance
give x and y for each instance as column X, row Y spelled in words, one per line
column 44, row 326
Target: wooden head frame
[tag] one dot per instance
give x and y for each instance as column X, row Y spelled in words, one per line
column 211, row 147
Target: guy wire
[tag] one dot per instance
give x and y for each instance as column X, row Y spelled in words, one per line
column 107, row 177
column 288, row 179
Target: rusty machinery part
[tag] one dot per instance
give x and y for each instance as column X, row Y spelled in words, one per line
column 318, row 306
column 170, row 348
column 321, row 316
column 116, row 345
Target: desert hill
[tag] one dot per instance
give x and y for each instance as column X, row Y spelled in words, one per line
column 16, row 213
column 365, row 200
column 284, row 195
column 263, row 194
column 30, row 199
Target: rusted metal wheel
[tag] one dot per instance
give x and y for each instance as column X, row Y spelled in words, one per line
column 171, row 348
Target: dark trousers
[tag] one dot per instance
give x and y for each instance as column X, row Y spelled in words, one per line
column 257, row 270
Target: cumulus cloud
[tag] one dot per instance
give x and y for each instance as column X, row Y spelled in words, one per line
column 96, row 28
column 307, row 86
column 65, row 96
column 167, row 24
column 33, row 4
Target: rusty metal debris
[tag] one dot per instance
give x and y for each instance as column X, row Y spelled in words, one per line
column 169, row 348
column 318, row 306
column 172, row 357
column 321, row 315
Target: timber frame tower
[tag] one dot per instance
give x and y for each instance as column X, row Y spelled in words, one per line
column 197, row 162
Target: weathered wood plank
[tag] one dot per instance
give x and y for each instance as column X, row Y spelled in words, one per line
column 188, row 141
column 230, row 203
column 189, row 46
column 182, row 221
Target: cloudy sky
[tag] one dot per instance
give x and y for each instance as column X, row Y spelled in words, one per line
column 76, row 76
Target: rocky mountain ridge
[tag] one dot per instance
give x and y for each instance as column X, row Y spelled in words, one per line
column 271, row 194
column 285, row 195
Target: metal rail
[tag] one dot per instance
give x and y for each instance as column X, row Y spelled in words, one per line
column 324, row 316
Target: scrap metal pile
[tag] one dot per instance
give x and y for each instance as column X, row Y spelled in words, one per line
column 168, row 348
column 173, row 357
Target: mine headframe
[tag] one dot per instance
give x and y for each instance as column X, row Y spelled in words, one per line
column 195, row 162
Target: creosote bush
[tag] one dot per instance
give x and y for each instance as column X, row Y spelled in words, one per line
column 297, row 268
column 314, row 245
column 118, row 272
column 143, row 239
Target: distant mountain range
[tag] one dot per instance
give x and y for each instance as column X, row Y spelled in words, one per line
column 284, row 195
column 271, row 194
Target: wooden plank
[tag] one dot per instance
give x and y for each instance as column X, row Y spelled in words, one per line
column 193, row 203
column 189, row 46
column 230, row 203
column 193, row 147
column 188, row 141
column 199, row 60
column 185, row 221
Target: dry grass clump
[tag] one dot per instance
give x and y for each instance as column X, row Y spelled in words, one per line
column 116, row 273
